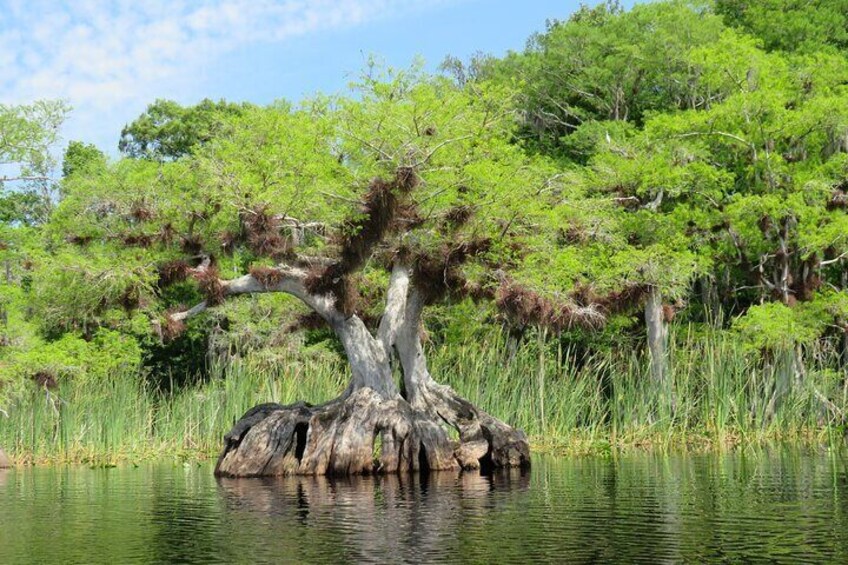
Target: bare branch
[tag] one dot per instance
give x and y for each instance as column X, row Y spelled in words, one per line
column 191, row 312
column 24, row 178
column 286, row 279
column 834, row 260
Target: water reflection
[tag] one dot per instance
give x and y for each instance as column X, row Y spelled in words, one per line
column 779, row 507
column 407, row 518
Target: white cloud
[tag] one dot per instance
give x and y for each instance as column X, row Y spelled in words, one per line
column 110, row 58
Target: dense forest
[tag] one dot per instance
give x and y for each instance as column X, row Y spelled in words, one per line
column 633, row 231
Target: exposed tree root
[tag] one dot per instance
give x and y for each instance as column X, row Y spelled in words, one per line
column 367, row 433
column 484, row 441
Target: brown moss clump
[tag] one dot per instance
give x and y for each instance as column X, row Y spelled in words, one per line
column 310, row 321
column 527, row 307
column 173, row 272
column 357, row 241
column 130, row 299
column 323, row 280
column 406, row 179
column 434, row 279
column 348, row 299
column 574, row 234
column 229, row 241
column 191, row 245
column 809, row 281
column 583, row 294
column 457, row 217
column 838, row 200
column 81, row 240
column 46, row 380
column 140, row 211
column 210, row 285
column 479, row 292
column 765, row 224
column 275, row 246
column 262, row 234
column 268, row 277
column 625, row 300
column 407, row 218
column 361, row 234
column 173, row 328
column 620, row 301
column 136, row 240
column 381, row 213
column 437, row 275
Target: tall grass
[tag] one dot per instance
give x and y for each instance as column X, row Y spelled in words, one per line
column 717, row 394
column 125, row 419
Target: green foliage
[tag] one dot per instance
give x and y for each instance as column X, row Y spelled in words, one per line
column 71, row 358
column 82, row 158
column 166, row 130
column 27, row 132
column 776, row 327
column 790, row 25
column 606, row 64
column 26, row 207
column 68, row 295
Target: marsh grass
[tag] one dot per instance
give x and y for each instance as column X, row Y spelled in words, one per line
column 719, row 395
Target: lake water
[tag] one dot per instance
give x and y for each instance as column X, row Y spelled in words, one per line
column 777, row 507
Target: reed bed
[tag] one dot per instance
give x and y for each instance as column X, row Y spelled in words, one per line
column 718, row 395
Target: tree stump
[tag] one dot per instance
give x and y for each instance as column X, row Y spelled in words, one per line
column 366, row 433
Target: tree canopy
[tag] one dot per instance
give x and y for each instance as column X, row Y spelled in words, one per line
column 167, row 130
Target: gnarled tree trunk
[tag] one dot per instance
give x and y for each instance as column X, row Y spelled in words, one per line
column 372, row 427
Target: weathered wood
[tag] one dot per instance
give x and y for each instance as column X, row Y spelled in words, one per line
column 4, row 460
column 366, row 433
column 657, row 337
column 505, row 446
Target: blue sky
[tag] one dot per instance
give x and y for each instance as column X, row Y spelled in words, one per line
column 110, row 59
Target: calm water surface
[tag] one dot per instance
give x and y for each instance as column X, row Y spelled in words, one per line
column 776, row 507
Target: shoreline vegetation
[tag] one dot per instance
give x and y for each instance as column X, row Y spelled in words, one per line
column 724, row 397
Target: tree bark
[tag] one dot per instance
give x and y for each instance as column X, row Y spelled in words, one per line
column 657, row 336
column 372, row 427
